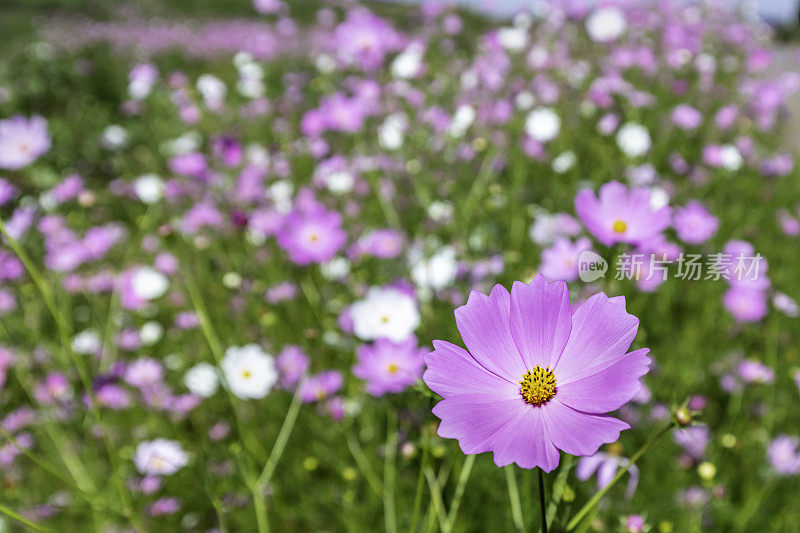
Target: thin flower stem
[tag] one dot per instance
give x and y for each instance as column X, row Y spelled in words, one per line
column 558, row 487
column 262, row 523
column 635, row 457
column 420, row 483
column 21, row 519
column 542, row 506
column 217, row 352
column 513, row 496
column 436, row 499
column 363, row 464
column 461, row 485
column 389, row 466
column 282, row 439
column 63, row 331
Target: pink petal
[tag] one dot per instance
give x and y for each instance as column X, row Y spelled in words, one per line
column 541, row 320
column 602, row 331
column 476, row 419
column 610, row 388
column 579, row 433
column 484, row 323
column 527, row 443
column 452, row 370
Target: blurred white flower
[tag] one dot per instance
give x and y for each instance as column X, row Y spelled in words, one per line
column 148, row 283
column 386, row 312
column 633, row 139
column 340, row 182
column 564, row 162
column 543, row 124
column 437, row 272
column 212, row 89
column 159, row 457
column 606, row 24
column 202, row 380
column 114, row 137
column 151, row 332
column 86, row 342
column 462, row 120
column 149, row 188
column 336, row 268
column 408, row 63
column 731, row 157
column 513, row 38
column 391, row 132
column 249, row 371
column 786, row 304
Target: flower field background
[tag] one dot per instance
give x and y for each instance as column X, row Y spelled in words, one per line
column 232, row 232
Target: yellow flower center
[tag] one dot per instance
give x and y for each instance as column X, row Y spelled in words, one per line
column 392, row 368
column 246, row 374
column 313, row 237
column 620, row 226
column 538, row 386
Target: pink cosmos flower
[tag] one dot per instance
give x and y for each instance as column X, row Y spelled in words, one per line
column 560, row 261
column 22, row 141
column 312, row 235
column 621, row 215
column 694, row 224
column 537, row 378
column 389, row 366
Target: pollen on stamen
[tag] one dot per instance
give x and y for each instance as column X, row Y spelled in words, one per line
column 620, row 226
column 538, row 386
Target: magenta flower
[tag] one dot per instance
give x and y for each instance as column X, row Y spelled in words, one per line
column 22, row 141
column 560, row 261
column 319, row 386
column 784, row 455
column 389, row 367
column 694, row 224
column 621, row 215
column 312, row 236
column 537, row 378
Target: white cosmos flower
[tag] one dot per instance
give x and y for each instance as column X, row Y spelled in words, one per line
column 437, row 272
column 340, row 182
column 148, row 283
column 606, row 24
column 633, row 139
column 731, row 157
column 151, row 332
column 159, row 457
column 114, row 137
column 409, row 62
column 564, row 162
column 512, row 38
column 543, row 124
column 249, row 371
column 149, row 188
column 86, row 342
column 211, row 87
column 391, row 134
column 202, row 380
column 386, row 312
column 462, row 120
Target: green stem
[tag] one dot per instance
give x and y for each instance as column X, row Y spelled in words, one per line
column 390, row 518
column 63, row 331
column 363, row 464
column 513, row 496
column 262, row 523
column 21, row 519
column 281, row 440
column 420, row 483
column 542, row 506
column 217, row 352
column 436, row 499
column 461, row 485
column 635, row 457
